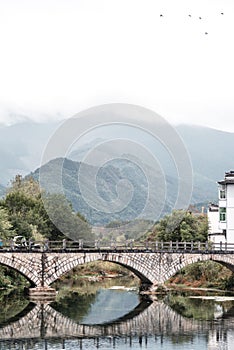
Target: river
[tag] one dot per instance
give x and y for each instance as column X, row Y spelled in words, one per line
column 112, row 315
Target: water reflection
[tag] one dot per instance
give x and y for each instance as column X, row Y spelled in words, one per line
column 105, row 307
column 116, row 319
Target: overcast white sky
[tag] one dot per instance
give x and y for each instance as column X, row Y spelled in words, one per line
column 59, row 57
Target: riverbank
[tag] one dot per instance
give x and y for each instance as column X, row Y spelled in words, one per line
column 207, row 276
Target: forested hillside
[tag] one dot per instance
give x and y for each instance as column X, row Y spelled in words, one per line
column 107, row 180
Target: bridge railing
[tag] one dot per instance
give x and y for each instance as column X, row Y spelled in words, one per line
column 106, row 246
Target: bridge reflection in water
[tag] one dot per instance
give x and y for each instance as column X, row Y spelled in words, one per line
column 40, row 322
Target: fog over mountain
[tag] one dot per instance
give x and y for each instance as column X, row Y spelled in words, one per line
column 21, row 147
column 211, row 152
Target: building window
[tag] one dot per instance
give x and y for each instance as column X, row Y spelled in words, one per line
column 222, row 194
column 222, row 214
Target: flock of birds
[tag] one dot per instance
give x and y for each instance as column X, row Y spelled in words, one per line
column 161, row 15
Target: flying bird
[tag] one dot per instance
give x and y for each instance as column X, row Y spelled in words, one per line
column 200, row 18
column 206, row 33
column 190, row 15
column 161, row 15
column 222, row 13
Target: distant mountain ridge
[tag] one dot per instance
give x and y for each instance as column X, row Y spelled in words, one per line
column 106, row 183
column 211, row 152
column 106, row 187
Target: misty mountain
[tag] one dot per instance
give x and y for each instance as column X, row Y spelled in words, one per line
column 94, row 192
column 21, row 147
column 211, row 152
column 96, row 195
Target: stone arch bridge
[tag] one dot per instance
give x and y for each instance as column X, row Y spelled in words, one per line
column 153, row 265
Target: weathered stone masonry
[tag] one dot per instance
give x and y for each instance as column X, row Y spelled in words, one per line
column 42, row 269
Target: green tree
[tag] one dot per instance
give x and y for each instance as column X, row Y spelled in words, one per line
column 27, row 186
column 22, row 211
column 182, row 226
column 33, row 213
column 64, row 221
column 6, row 231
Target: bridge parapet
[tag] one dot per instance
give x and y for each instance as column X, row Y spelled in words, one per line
column 124, row 246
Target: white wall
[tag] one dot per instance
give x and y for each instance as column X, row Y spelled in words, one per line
column 230, row 195
column 230, row 213
column 213, row 220
column 214, row 230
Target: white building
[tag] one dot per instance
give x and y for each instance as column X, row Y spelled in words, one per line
column 226, row 206
column 221, row 217
column 215, row 234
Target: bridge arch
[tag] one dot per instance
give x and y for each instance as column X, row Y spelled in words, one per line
column 42, row 269
column 132, row 262
column 179, row 261
column 151, row 268
column 22, row 265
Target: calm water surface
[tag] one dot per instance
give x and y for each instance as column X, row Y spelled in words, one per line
column 104, row 316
